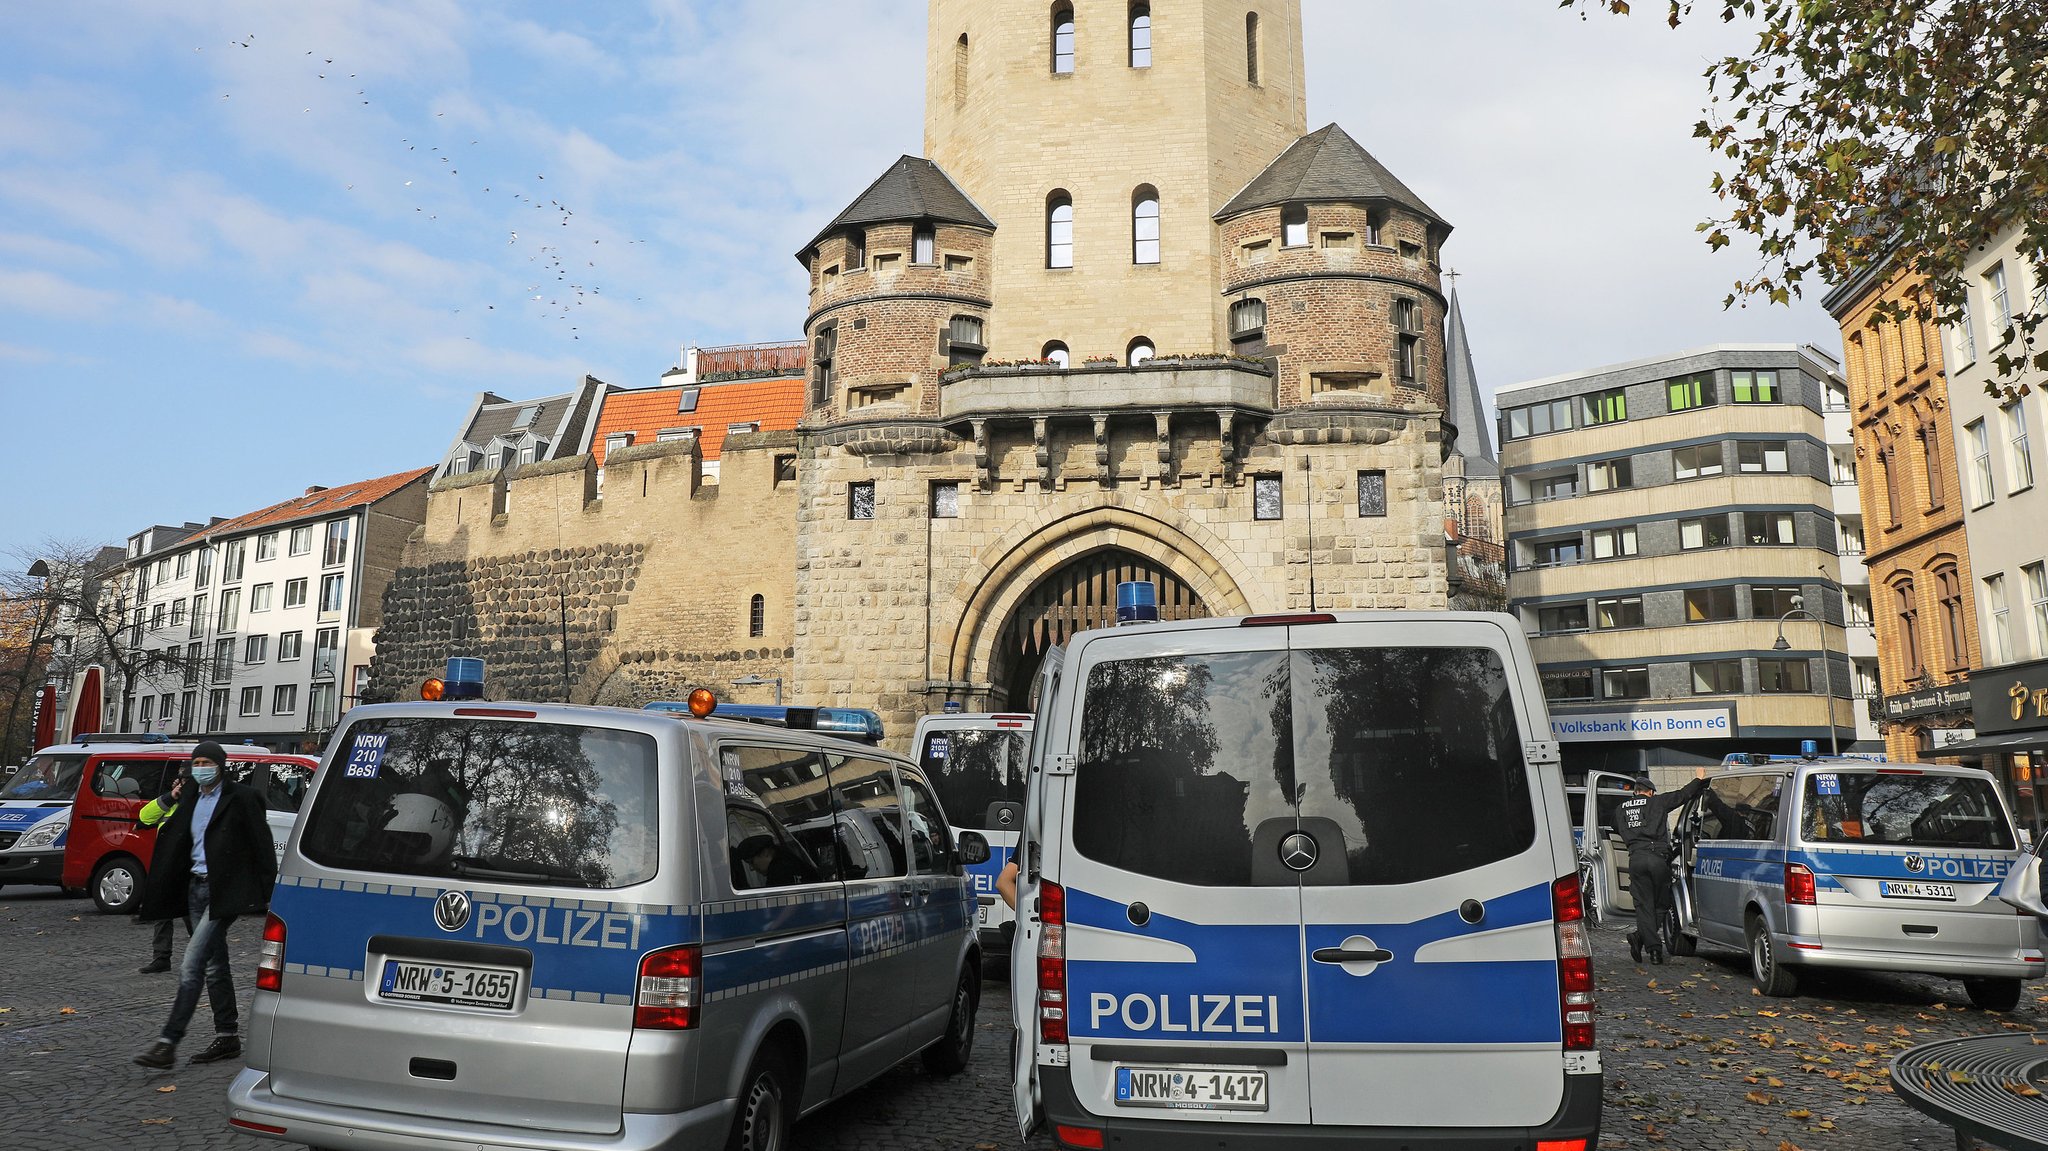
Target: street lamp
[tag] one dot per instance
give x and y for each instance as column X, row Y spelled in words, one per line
column 1827, row 678
column 757, row 680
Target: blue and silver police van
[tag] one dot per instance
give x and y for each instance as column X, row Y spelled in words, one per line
column 975, row 761
column 541, row 926
column 1301, row 879
column 1820, row 861
column 35, row 814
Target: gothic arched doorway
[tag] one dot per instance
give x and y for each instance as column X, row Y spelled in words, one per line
column 1077, row 596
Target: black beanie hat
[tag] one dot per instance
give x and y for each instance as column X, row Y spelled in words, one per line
column 211, row 750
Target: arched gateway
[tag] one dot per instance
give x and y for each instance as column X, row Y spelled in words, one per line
column 1079, row 595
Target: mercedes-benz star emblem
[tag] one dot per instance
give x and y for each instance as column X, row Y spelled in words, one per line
column 1915, row 864
column 451, row 910
column 1298, row 851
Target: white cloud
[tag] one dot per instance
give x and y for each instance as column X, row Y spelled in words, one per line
column 47, row 294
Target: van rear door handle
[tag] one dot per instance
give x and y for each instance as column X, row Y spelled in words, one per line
column 1351, row 955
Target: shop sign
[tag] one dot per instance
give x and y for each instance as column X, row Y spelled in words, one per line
column 2013, row 698
column 1928, row 701
column 1648, row 726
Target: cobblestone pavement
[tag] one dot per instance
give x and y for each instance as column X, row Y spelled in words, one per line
column 1693, row 1059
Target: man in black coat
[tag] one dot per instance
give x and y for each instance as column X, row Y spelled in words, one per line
column 213, row 863
column 1645, row 830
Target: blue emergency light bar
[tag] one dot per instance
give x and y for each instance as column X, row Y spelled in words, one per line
column 1137, row 601
column 464, row 679
column 855, row 723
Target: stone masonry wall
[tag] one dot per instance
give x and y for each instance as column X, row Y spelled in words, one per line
column 658, row 574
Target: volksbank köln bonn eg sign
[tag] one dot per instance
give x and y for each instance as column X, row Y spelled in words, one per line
column 1672, row 723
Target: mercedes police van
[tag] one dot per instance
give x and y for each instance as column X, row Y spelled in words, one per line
column 506, row 925
column 35, row 814
column 1841, row 862
column 975, row 761
column 1301, row 878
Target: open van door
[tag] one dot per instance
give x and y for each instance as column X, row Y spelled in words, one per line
column 1024, row 1090
column 1596, row 861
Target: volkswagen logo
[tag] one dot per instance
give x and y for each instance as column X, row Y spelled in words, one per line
column 1298, row 851
column 1915, row 864
column 451, row 910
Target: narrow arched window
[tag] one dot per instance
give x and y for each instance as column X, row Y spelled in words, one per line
column 1145, row 225
column 1059, row 230
column 1141, row 35
column 757, row 616
column 1055, row 352
column 1139, row 351
column 856, row 250
column 1062, row 39
column 1251, row 47
column 960, row 72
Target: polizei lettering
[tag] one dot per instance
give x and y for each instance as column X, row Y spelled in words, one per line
column 1185, row 1014
column 564, row 925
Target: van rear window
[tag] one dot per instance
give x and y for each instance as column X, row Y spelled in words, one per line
column 972, row 768
column 488, row 799
column 1868, row 809
column 1192, row 767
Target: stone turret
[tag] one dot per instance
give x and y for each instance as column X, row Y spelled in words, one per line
column 899, row 292
column 1330, row 268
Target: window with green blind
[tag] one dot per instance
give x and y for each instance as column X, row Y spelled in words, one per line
column 1608, row 407
column 1690, row 392
column 1755, row 387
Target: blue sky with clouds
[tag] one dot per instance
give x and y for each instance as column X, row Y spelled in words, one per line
column 247, row 247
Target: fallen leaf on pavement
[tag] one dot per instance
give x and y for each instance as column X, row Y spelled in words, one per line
column 1761, row 1098
column 167, row 1088
column 67, row 1011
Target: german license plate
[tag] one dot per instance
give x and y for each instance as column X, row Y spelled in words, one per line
column 449, row 983
column 1914, row 889
column 1195, row 1088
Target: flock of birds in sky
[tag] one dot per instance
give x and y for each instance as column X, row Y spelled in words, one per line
column 552, row 291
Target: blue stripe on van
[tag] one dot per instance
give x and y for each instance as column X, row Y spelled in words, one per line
column 578, row 945
column 1244, row 986
column 770, row 913
column 1765, row 864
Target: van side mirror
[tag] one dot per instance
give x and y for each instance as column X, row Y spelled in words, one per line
column 973, row 848
column 1004, row 816
column 2022, row 887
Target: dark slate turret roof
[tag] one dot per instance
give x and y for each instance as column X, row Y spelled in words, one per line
column 1324, row 166
column 1468, row 409
column 913, row 188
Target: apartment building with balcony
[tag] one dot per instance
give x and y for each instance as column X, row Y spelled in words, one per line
column 260, row 627
column 1664, row 519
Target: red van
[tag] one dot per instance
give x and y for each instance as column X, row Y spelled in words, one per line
column 108, row 852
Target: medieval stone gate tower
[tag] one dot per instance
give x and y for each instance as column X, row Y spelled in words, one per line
column 1127, row 318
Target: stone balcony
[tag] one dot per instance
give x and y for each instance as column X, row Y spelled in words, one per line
column 1040, row 390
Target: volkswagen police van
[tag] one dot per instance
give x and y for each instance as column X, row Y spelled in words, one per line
column 35, row 815
column 524, row 925
column 976, row 763
column 1301, row 879
column 1845, row 863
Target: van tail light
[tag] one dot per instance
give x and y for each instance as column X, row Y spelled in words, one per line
column 670, row 982
column 1561, row 1145
column 270, row 968
column 1084, row 1138
column 1574, row 963
column 1799, row 885
column 1052, row 962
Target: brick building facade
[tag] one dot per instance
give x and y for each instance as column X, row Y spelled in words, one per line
column 1917, row 553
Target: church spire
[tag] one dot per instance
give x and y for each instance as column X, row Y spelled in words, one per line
column 1467, row 408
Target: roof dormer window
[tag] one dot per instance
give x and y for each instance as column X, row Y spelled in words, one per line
column 527, row 415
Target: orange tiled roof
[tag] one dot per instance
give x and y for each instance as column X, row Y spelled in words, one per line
column 775, row 404
column 324, row 502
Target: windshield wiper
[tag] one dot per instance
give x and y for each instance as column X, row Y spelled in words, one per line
column 495, row 867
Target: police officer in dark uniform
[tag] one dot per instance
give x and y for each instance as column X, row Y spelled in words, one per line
column 1643, row 821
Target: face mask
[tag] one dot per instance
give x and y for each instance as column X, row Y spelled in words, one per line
column 204, row 775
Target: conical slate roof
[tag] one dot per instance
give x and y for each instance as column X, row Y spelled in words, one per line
column 1324, row 166
column 913, row 188
column 1468, row 410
